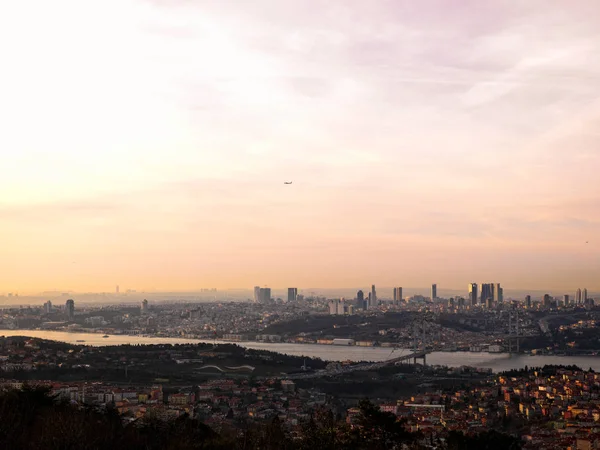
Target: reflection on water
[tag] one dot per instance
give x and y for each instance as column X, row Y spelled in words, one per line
column 497, row 361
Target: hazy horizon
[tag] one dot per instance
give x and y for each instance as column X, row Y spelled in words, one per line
column 384, row 292
column 147, row 143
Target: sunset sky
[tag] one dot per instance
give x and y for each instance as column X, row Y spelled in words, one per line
column 145, row 143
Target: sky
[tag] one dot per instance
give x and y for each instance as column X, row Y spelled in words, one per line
column 146, row 143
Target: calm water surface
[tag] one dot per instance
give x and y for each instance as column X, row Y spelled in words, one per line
column 497, row 362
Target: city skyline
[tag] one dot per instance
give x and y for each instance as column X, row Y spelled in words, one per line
column 389, row 293
column 156, row 154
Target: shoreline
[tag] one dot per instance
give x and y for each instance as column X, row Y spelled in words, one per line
column 331, row 353
column 208, row 340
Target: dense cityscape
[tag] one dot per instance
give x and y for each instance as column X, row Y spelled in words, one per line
column 217, row 378
column 481, row 321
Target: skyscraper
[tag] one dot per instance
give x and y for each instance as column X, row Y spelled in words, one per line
column 144, row 307
column 584, row 296
column 547, row 301
column 264, row 295
column 333, row 306
column 498, row 293
column 117, row 290
column 360, row 300
column 528, row 301
column 397, row 295
column 341, row 307
column 48, row 307
column 473, row 294
column 487, row 292
column 578, row 297
column 292, row 294
column 566, row 299
column 434, row 291
column 70, row 309
column 256, row 294
column 373, row 299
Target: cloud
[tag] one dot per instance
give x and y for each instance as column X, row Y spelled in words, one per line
column 60, row 210
column 405, row 126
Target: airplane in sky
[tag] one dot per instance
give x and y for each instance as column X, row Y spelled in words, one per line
column 287, row 182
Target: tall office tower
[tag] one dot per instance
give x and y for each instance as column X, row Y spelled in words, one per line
column 264, row 295
column 528, row 301
column 584, row 297
column 547, row 301
column 397, row 295
column 341, row 307
column 369, row 301
column 473, row 294
column 48, row 307
column 333, row 307
column 434, row 291
column 487, row 291
column 578, row 297
column 70, row 309
column 373, row 299
column 292, row 294
column 566, row 299
column 117, row 290
column 498, row 293
column 360, row 300
column 256, row 294
column 144, row 307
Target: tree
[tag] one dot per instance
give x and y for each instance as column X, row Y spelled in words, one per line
column 381, row 430
column 491, row 440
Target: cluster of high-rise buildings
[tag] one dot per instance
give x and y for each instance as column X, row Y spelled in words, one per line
column 581, row 297
column 484, row 294
column 340, row 307
column 490, row 293
column 263, row 295
column 362, row 302
column 292, row 294
column 370, row 301
column 69, row 309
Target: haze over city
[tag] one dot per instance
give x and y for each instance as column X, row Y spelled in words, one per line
column 147, row 144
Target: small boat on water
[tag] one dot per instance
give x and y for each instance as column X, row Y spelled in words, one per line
column 79, row 340
column 105, row 336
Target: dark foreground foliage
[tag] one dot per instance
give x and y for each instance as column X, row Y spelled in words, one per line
column 31, row 419
column 491, row 440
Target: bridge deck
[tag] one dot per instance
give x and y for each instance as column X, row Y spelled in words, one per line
column 408, row 357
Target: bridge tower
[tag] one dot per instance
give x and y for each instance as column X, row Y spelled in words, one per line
column 421, row 337
column 513, row 332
